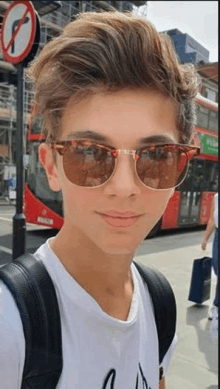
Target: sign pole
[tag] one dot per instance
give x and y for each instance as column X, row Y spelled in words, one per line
column 19, row 38
column 19, row 227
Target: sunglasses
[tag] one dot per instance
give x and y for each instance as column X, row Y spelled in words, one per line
column 158, row 166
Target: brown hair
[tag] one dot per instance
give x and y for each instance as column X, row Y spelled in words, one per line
column 109, row 51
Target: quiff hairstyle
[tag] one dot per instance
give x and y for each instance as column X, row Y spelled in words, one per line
column 108, row 52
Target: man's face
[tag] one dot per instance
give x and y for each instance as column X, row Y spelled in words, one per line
column 122, row 117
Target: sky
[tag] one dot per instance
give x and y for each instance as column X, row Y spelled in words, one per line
column 199, row 19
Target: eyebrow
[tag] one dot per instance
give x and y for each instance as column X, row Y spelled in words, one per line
column 88, row 134
column 94, row 135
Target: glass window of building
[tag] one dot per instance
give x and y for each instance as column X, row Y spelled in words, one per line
column 202, row 117
column 213, row 120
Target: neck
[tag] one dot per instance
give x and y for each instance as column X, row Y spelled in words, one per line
column 86, row 262
column 107, row 278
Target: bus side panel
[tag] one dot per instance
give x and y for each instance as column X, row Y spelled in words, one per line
column 205, row 208
column 38, row 213
column 170, row 216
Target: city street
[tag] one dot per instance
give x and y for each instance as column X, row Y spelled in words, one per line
column 195, row 362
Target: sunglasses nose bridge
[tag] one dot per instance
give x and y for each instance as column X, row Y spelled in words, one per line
column 127, row 152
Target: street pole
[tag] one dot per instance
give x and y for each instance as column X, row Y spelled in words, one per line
column 11, row 88
column 19, row 228
column 19, row 46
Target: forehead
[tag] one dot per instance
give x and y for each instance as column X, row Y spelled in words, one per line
column 121, row 118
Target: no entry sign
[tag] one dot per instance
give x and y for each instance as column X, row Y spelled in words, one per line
column 19, row 29
column 20, row 36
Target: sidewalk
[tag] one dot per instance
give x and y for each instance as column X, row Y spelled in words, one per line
column 5, row 201
column 195, row 361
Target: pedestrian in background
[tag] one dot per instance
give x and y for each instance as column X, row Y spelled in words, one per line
column 211, row 225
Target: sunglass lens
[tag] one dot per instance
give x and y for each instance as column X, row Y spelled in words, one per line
column 162, row 167
column 88, row 166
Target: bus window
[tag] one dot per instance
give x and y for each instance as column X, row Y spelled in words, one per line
column 213, row 120
column 187, row 183
column 38, row 184
column 210, row 179
column 32, row 168
column 215, row 182
column 202, row 117
column 213, row 174
column 202, row 176
column 200, row 182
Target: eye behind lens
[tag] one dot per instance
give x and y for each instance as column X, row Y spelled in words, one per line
column 162, row 167
column 88, row 165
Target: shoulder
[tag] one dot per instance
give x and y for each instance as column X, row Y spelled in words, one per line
column 170, row 351
column 168, row 356
column 144, row 297
column 142, row 286
column 11, row 340
column 8, row 307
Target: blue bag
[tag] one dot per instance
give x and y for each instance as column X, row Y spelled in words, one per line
column 200, row 285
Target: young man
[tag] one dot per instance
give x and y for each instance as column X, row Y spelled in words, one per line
column 115, row 106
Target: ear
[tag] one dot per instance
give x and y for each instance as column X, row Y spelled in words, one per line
column 46, row 159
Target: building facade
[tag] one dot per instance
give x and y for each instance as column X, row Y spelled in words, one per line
column 188, row 50
column 209, row 80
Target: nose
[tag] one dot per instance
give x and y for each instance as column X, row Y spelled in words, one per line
column 124, row 181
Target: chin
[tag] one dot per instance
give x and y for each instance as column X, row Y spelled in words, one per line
column 121, row 245
column 118, row 250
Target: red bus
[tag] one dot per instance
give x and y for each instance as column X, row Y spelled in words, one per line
column 189, row 206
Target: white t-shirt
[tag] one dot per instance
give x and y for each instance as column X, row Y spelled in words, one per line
column 216, row 209
column 99, row 351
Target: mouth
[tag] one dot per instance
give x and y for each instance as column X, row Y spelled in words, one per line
column 120, row 221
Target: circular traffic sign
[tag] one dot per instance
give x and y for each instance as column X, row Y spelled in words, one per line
column 18, row 31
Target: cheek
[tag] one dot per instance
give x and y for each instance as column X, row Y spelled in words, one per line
column 74, row 197
column 156, row 201
column 78, row 201
column 163, row 200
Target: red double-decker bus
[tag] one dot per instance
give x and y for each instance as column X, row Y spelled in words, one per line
column 189, row 206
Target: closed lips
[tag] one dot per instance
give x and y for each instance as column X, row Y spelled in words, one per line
column 124, row 215
column 119, row 221
column 120, row 217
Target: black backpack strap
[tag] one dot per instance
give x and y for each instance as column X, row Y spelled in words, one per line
column 34, row 293
column 164, row 306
